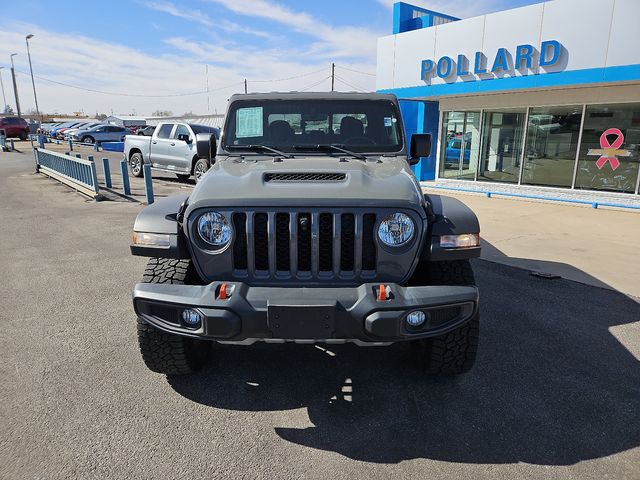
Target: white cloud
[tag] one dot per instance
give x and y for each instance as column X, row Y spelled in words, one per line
column 188, row 14
column 114, row 67
column 332, row 41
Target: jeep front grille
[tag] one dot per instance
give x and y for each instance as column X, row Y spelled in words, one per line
column 304, row 244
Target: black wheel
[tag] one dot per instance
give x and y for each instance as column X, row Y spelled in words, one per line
column 452, row 353
column 200, row 168
column 183, row 177
column 87, row 139
column 135, row 164
column 164, row 352
column 23, row 136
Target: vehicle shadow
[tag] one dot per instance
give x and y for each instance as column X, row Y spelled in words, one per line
column 551, row 385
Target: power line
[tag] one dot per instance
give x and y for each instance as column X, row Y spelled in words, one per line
column 342, row 80
column 122, row 94
column 314, row 84
column 356, row 71
column 288, row 78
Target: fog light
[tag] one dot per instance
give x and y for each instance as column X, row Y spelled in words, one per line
column 191, row 318
column 416, row 319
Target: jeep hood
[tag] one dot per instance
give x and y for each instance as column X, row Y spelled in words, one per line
column 249, row 182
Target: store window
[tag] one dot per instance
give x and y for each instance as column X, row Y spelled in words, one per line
column 551, row 145
column 610, row 147
column 502, row 141
column 460, row 145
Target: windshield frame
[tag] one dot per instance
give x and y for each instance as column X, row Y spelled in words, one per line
column 291, row 150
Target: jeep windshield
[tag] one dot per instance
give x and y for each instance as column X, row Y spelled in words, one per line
column 314, row 125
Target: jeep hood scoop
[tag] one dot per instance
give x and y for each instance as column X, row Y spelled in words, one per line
column 308, row 181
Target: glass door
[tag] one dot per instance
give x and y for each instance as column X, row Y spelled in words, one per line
column 460, row 145
column 503, row 135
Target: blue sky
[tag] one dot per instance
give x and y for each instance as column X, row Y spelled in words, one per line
column 160, row 48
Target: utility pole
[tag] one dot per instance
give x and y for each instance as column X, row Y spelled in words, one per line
column 15, row 86
column 206, row 73
column 4, row 98
column 333, row 76
column 26, row 39
column 245, row 85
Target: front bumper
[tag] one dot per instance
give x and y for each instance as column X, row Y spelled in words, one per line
column 305, row 314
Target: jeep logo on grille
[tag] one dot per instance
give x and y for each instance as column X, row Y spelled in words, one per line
column 304, row 223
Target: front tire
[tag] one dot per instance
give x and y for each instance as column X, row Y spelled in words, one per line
column 200, row 168
column 87, row 139
column 164, row 352
column 452, row 353
column 135, row 164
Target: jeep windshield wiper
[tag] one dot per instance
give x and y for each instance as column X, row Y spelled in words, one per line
column 331, row 146
column 262, row 148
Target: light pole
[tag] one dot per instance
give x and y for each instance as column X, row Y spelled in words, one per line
column 15, row 86
column 26, row 39
column 4, row 98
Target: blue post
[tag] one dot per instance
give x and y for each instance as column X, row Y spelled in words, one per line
column 488, row 194
column 70, row 146
column 107, row 172
column 124, row 170
column 95, row 146
column 13, row 146
column 148, row 183
column 594, row 205
column 41, row 141
column 94, row 177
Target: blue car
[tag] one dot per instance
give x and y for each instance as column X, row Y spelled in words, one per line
column 452, row 152
column 101, row 133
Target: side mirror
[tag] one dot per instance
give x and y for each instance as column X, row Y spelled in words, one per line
column 184, row 137
column 420, row 147
column 206, row 145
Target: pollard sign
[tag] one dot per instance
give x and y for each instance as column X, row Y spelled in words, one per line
column 526, row 57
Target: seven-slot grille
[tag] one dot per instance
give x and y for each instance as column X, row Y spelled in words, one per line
column 304, row 244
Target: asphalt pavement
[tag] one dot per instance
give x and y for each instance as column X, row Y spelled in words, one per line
column 555, row 392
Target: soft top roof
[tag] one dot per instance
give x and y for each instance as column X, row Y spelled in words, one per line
column 313, row 96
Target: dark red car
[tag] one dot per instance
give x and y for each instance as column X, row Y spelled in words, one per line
column 14, row 127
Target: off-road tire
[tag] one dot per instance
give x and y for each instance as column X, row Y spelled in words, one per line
column 164, row 352
column 136, row 164
column 452, row 353
column 183, row 177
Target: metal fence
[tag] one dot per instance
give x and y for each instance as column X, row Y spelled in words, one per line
column 75, row 172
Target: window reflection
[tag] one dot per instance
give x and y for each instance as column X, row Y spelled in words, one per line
column 598, row 119
column 459, row 145
column 502, row 138
column 552, row 141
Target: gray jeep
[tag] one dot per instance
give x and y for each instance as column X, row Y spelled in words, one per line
column 309, row 227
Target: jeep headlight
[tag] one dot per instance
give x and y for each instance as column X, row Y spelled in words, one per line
column 215, row 229
column 396, row 229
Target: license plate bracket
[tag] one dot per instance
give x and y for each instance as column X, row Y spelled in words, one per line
column 301, row 321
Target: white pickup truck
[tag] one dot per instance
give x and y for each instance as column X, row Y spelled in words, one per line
column 172, row 148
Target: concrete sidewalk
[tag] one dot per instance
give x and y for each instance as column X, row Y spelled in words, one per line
column 596, row 247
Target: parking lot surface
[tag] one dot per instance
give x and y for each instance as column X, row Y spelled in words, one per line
column 555, row 392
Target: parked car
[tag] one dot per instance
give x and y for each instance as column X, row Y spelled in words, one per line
column 146, row 131
column 291, row 239
column 63, row 126
column 15, row 127
column 69, row 133
column 171, row 148
column 45, row 128
column 101, row 133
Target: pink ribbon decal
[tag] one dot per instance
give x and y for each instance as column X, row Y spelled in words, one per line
column 609, row 150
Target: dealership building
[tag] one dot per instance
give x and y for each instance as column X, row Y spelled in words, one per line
column 546, row 95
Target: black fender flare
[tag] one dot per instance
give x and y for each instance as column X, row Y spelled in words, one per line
column 449, row 216
column 163, row 217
